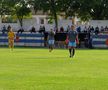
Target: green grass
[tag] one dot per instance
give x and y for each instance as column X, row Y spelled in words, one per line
column 37, row 69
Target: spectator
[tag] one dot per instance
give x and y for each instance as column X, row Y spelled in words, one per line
column 106, row 28
column 68, row 28
column 20, row 30
column 33, row 29
column 88, row 30
column 4, row 29
column 85, row 29
column 42, row 29
column 92, row 29
column 97, row 30
column 57, row 30
column 62, row 29
column 8, row 28
column 102, row 29
column 78, row 29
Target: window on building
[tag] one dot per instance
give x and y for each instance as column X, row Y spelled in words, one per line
column 41, row 21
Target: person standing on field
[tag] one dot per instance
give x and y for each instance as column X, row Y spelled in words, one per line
column 51, row 40
column 73, row 39
column 11, row 37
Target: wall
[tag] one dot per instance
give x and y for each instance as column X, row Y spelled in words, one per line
column 98, row 23
column 100, row 41
column 35, row 21
column 25, row 39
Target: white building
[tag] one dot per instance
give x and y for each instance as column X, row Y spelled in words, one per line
column 37, row 21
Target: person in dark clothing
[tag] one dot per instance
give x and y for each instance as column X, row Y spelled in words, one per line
column 79, row 29
column 42, row 29
column 33, row 30
column 92, row 29
column 61, row 29
column 4, row 29
column 20, row 30
column 97, row 30
column 8, row 28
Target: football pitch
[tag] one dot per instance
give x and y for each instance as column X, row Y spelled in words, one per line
column 37, row 69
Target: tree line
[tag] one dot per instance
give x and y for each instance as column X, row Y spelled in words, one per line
column 83, row 9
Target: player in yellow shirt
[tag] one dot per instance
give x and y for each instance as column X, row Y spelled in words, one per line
column 11, row 37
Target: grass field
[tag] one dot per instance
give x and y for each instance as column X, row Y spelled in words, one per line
column 37, row 69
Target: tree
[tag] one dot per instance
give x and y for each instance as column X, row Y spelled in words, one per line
column 16, row 7
column 47, row 6
column 21, row 10
column 94, row 9
column 4, row 9
column 100, row 10
column 85, row 9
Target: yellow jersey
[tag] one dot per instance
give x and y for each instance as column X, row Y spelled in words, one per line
column 11, row 35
